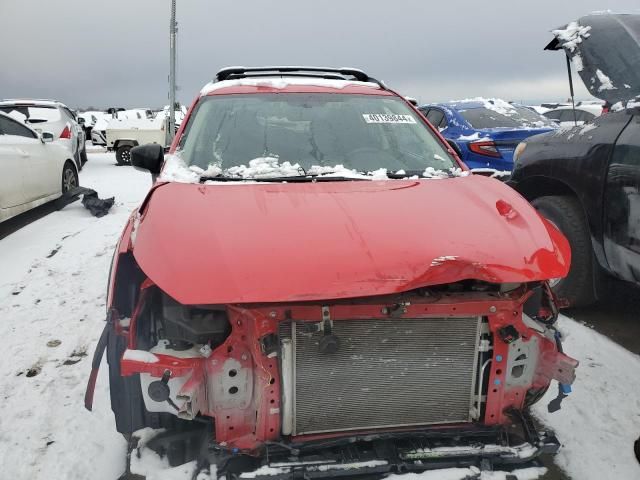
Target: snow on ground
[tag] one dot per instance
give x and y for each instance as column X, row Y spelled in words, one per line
column 52, row 293
column 52, row 305
column 600, row 419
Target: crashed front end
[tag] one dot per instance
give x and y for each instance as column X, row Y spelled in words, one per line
column 402, row 382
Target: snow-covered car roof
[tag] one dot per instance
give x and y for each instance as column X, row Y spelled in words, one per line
column 605, row 50
column 32, row 102
column 289, row 83
column 496, row 104
column 595, row 109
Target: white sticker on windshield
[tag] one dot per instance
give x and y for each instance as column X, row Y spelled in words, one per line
column 387, row 118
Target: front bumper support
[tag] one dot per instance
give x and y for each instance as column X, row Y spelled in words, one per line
column 372, row 456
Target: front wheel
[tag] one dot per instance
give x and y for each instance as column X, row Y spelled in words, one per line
column 123, row 155
column 69, row 178
column 567, row 215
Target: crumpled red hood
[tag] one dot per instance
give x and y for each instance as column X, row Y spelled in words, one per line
column 281, row 242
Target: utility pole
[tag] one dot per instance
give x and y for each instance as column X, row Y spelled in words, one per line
column 173, row 28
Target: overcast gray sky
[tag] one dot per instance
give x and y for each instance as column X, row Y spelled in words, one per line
column 115, row 52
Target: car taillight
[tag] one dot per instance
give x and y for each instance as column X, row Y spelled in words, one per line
column 484, row 147
column 66, row 133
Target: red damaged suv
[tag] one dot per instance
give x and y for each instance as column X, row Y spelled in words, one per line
column 316, row 287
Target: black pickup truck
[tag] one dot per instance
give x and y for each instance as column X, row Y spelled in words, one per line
column 586, row 180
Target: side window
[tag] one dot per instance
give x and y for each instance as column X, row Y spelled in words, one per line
column 443, row 123
column 435, row 117
column 68, row 113
column 11, row 127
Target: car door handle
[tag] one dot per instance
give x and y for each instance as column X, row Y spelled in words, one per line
column 22, row 153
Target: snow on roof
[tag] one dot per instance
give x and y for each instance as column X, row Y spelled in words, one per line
column 605, row 82
column 496, row 104
column 284, row 82
column 571, row 35
column 135, row 123
column 34, row 102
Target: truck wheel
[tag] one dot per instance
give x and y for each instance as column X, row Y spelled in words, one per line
column 123, row 155
column 566, row 213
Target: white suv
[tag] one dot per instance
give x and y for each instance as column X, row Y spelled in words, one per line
column 50, row 116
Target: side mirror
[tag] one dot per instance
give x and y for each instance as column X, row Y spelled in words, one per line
column 148, row 157
column 80, row 120
column 555, row 120
column 46, row 137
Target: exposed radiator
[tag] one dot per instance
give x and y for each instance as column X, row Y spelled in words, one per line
column 386, row 373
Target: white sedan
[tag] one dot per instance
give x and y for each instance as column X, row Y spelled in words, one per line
column 33, row 170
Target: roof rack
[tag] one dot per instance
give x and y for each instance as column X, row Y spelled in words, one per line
column 231, row 73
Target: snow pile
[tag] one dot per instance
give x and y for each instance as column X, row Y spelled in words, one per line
column 635, row 103
column 283, row 82
column 379, row 174
column 176, row 170
column 431, row 172
column 440, row 260
column 577, row 62
column 265, row 167
column 618, row 106
column 264, row 471
column 491, row 172
column 472, row 137
column 140, row 356
column 605, row 82
column 571, row 35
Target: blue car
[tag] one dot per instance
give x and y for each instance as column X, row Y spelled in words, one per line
column 486, row 132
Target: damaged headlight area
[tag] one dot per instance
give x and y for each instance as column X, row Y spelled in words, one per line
column 434, row 377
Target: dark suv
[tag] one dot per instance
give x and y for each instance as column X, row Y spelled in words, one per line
column 586, row 179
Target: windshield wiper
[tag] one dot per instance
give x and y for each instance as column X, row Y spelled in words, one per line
column 317, row 177
column 292, row 179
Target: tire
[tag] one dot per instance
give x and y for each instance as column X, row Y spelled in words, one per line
column 566, row 213
column 69, row 178
column 123, row 155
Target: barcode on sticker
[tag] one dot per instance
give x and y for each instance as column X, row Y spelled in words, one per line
column 387, row 118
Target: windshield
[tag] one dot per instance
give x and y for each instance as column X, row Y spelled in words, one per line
column 515, row 117
column 360, row 132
